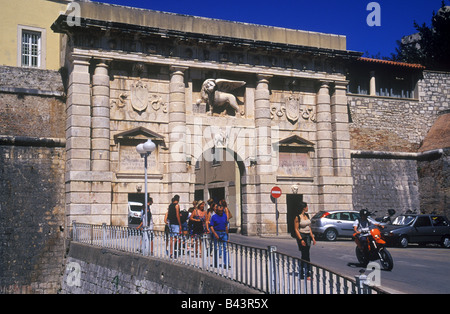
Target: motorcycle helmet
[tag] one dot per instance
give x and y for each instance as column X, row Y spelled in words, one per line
column 364, row 212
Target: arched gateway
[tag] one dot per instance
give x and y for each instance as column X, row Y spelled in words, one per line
column 274, row 99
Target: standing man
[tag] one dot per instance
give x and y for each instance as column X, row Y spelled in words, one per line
column 219, row 228
column 174, row 220
column 149, row 229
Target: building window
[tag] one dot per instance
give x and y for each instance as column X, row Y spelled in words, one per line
column 31, row 49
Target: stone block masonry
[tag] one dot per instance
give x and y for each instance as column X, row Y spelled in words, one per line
column 91, row 270
column 32, row 241
column 32, row 161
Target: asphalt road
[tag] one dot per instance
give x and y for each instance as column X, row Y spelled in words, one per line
column 419, row 270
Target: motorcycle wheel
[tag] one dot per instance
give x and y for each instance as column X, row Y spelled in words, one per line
column 387, row 262
column 361, row 258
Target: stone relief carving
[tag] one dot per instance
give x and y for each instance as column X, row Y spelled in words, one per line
column 138, row 102
column 217, row 93
column 292, row 105
column 293, row 109
column 139, row 96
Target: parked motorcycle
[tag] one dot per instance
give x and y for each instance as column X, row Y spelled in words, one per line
column 375, row 250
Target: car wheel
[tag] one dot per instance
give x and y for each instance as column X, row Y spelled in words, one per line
column 403, row 242
column 331, row 234
column 446, row 242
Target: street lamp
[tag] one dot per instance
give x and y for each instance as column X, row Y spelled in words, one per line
column 145, row 149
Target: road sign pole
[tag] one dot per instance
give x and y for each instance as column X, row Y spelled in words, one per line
column 276, row 193
column 276, row 213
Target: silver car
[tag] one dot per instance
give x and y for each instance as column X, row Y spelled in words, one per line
column 334, row 223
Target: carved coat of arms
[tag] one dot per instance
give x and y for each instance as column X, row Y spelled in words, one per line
column 292, row 105
column 139, row 96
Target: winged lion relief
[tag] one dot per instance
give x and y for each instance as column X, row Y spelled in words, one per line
column 217, row 94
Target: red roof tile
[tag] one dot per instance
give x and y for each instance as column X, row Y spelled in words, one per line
column 395, row 63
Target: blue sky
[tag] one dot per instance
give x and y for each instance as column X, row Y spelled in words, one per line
column 344, row 17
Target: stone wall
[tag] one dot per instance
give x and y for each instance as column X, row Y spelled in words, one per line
column 382, row 124
column 32, row 162
column 381, row 183
column 93, row 270
column 392, row 124
column 434, row 184
column 31, row 103
column 31, row 218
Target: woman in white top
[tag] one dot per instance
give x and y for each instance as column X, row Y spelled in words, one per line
column 305, row 236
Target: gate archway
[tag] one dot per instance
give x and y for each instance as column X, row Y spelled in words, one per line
column 219, row 174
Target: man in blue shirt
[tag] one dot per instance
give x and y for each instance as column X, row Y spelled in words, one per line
column 219, row 228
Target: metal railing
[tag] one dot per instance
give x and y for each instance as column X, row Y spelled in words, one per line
column 265, row 270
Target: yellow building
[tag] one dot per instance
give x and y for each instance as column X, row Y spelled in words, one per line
column 25, row 36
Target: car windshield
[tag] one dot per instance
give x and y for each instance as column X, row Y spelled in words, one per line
column 136, row 208
column 403, row 220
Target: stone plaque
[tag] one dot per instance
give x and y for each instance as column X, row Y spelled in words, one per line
column 131, row 162
column 294, row 164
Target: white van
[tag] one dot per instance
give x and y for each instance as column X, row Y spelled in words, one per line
column 134, row 211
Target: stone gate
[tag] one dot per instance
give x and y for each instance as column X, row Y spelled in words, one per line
column 274, row 99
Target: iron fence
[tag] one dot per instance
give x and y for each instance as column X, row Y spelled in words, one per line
column 265, row 270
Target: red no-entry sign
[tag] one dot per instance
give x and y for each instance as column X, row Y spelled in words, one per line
column 276, row 192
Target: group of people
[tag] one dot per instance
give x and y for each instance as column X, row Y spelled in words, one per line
column 198, row 221
column 202, row 218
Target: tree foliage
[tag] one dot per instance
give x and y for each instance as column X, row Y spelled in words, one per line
column 431, row 45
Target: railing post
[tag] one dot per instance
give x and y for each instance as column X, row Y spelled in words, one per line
column 74, row 231
column 361, row 285
column 146, row 242
column 272, row 269
column 204, row 253
column 104, row 235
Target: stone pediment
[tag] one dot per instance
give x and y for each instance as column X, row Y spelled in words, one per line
column 140, row 134
column 295, row 141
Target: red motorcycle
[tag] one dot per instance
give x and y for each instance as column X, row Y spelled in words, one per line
column 375, row 250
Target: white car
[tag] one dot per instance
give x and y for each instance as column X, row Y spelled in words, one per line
column 134, row 211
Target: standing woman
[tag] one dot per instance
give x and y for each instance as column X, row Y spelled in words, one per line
column 305, row 236
column 198, row 219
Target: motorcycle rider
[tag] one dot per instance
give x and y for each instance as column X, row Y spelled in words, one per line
column 362, row 227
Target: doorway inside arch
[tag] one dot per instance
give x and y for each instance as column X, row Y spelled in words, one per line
column 293, row 202
column 218, row 176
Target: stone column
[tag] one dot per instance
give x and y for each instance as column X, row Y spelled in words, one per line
column 78, row 141
column 263, row 125
column 262, row 219
column 343, row 185
column 324, row 130
column 100, row 118
column 179, row 178
column 100, row 193
column 373, row 85
column 333, row 148
column 324, row 146
column 88, row 179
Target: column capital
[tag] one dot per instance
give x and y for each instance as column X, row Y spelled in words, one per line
column 79, row 59
column 104, row 62
column 263, row 78
column 324, row 83
column 178, row 68
column 341, row 84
